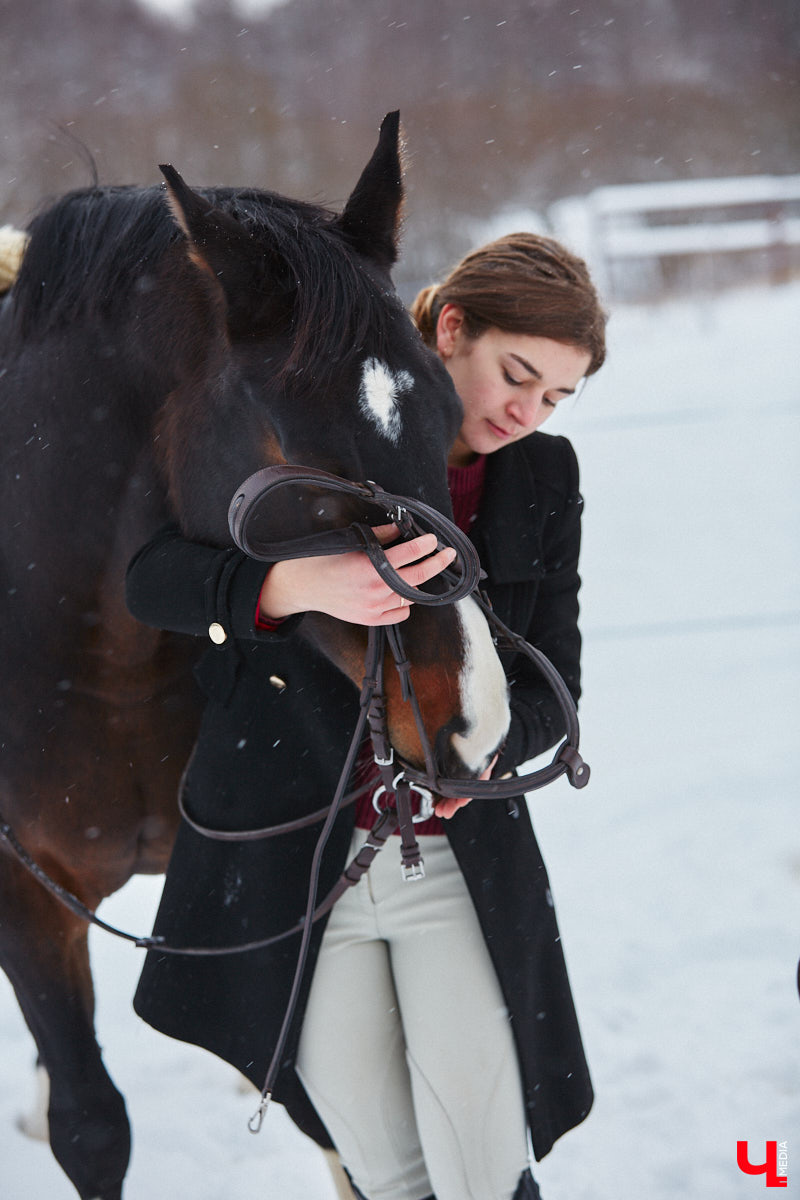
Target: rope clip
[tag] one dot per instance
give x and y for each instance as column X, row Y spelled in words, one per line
column 257, row 1119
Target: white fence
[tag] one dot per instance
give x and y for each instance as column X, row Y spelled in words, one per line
column 641, row 238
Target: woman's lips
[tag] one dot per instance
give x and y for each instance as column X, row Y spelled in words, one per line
column 497, row 430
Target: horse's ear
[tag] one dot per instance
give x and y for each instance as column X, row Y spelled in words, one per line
column 371, row 217
column 217, row 241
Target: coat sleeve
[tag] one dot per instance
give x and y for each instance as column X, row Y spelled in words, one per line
column 187, row 587
column 537, row 723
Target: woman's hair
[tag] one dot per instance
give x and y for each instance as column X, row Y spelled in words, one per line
column 521, row 283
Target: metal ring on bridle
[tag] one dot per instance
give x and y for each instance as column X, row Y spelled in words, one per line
column 425, row 799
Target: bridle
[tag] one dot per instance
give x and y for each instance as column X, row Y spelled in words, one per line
column 399, row 778
column 462, row 579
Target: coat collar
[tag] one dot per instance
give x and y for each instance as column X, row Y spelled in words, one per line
column 507, row 531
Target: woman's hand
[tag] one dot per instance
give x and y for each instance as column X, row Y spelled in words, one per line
column 448, row 807
column 347, row 586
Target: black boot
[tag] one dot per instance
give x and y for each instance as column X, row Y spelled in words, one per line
column 360, row 1195
column 527, row 1188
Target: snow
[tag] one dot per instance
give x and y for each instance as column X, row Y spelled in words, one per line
column 676, row 872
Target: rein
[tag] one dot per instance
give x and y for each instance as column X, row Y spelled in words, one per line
column 258, row 488
column 399, row 778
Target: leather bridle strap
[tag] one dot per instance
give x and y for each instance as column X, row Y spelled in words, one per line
column 405, row 512
column 566, row 761
column 267, row 831
column 383, row 828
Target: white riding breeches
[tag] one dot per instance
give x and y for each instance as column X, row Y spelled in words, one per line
column 406, row 1049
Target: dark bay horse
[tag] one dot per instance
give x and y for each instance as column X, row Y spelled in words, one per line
column 155, row 350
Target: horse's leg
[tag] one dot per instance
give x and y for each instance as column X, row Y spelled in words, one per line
column 45, row 954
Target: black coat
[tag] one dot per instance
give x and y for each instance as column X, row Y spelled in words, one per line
column 271, row 745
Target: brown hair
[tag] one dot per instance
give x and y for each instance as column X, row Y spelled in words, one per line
column 521, row 283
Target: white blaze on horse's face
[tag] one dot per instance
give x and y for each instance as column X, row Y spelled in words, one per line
column 379, row 393
column 484, row 691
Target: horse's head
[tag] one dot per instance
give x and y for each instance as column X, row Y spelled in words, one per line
column 308, row 357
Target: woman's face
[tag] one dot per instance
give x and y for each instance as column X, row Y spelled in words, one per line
column 509, row 383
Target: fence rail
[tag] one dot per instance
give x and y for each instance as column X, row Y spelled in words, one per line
column 630, row 233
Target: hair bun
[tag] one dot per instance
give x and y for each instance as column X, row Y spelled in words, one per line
column 424, row 312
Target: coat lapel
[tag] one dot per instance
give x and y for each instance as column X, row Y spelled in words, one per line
column 513, row 552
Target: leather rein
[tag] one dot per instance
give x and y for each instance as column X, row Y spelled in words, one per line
column 399, row 778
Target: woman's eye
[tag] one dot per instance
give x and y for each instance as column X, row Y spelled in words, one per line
column 550, row 403
column 510, row 379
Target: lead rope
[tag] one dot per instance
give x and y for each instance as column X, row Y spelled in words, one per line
column 373, row 679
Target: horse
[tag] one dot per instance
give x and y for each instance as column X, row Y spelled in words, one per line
column 158, row 346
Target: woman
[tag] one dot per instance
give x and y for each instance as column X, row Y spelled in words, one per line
column 435, row 1032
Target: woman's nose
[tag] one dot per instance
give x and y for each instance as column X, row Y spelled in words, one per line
column 525, row 412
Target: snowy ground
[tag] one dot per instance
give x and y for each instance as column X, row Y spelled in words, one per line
column 676, row 872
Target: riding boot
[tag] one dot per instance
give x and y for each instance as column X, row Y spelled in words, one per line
column 527, row 1188
column 360, row 1195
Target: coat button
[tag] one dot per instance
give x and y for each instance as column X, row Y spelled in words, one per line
column 217, row 633
column 278, row 683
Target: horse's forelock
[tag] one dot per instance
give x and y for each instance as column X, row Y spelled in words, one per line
column 338, row 309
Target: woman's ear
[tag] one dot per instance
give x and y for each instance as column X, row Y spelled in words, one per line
column 448, row 329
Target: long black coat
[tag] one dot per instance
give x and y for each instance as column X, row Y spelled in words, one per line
column 272, row 742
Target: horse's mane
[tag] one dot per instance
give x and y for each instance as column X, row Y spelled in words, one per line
column 88, row 251
column 85, row 252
